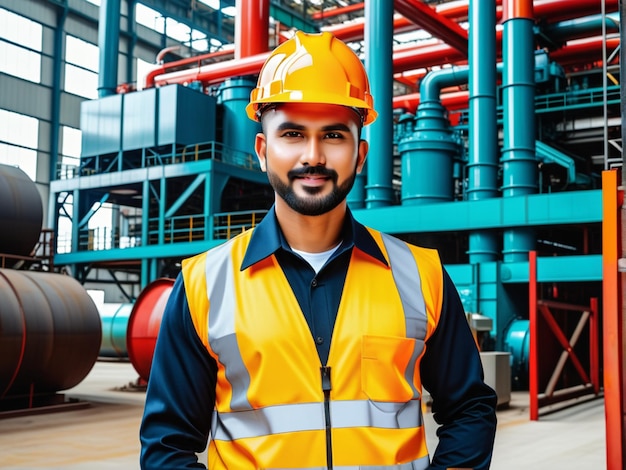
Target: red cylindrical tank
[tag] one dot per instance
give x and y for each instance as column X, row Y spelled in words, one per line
column 49, row 332
column 144, row 324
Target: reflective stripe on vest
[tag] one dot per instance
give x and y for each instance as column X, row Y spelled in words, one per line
column 407, row 278
column 419, row 464
column 345, row 414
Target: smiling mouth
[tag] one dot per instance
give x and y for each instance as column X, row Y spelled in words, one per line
column 312, row 180
column 312, row 175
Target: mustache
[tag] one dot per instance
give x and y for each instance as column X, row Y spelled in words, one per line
column 312, row 170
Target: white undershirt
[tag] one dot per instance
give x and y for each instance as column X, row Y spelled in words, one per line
column 317, row 260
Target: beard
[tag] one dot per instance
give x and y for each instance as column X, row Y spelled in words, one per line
column 315, row 204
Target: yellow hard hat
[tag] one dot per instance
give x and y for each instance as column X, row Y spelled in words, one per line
column 313, row 68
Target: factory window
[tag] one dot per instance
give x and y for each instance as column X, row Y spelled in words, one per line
column 20, row 46
column 70, row 150
column 18, row 141
column 81, row 68
column 174, row 29
column 215, row 4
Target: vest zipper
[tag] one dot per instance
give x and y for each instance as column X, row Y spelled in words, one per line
column 327, row 387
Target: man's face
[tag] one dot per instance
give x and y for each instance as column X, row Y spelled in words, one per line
column 311, row 153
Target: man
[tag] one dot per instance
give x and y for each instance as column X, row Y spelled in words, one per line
column 305, row 342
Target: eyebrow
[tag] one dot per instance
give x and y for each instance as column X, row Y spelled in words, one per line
column 299, row 127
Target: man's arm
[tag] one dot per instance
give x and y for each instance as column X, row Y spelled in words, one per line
column 181, row 391
column 463, row 404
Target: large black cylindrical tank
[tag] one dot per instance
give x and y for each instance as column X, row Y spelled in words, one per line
column 21, row 212
column 50, row 332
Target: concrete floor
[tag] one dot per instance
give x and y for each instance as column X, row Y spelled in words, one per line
column 104, row 434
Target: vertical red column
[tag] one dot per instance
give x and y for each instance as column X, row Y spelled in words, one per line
column 612, row 200
column 533, row 367
column 251, row 27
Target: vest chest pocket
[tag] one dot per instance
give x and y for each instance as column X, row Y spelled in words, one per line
column 387, row 367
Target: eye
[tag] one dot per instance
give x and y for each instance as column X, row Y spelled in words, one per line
column 334, row 135
column 291, row 134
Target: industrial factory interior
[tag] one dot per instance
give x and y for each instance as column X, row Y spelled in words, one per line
column 125, row 148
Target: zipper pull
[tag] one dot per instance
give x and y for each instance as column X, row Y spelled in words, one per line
column 326, row 385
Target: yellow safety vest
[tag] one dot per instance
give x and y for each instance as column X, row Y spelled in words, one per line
column 277, row 406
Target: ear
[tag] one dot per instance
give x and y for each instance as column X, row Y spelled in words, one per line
column 260, row 147
column 361, row 155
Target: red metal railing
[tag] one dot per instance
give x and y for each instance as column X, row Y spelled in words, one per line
column 545, row 375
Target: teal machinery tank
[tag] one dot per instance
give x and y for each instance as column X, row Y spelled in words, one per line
column 238, row 132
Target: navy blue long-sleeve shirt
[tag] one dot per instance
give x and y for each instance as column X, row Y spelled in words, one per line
column 181, row 389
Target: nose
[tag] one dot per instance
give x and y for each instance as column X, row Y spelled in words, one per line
column 313, row 154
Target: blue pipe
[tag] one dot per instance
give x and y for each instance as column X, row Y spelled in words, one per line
column 378, row 62
column 108, row 42
column 427, row 153
column 519, row 163
column 483, row 139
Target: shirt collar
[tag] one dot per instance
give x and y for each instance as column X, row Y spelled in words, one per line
column 267, row 238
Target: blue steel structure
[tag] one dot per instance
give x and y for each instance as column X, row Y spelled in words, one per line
column 500, row 180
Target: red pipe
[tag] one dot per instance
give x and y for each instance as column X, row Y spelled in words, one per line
column 585, row 51
column 321, row 15
column 412, row 58
column 589, row 50
column 149, row 81
column 403, row 60
column 216, row 73
column 558, row 10
column 437, row 25
column 554, row 10
column 451, row 101
column 163, row 52
column 251, row 27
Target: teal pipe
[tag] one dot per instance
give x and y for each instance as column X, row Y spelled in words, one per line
column 427, row 154
column 581, row 27
column 108, row 43
column 482, row 164
column 378, row 36
column 114, row 320
column 548, row 154
column 57, row 66
column 519, row 164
